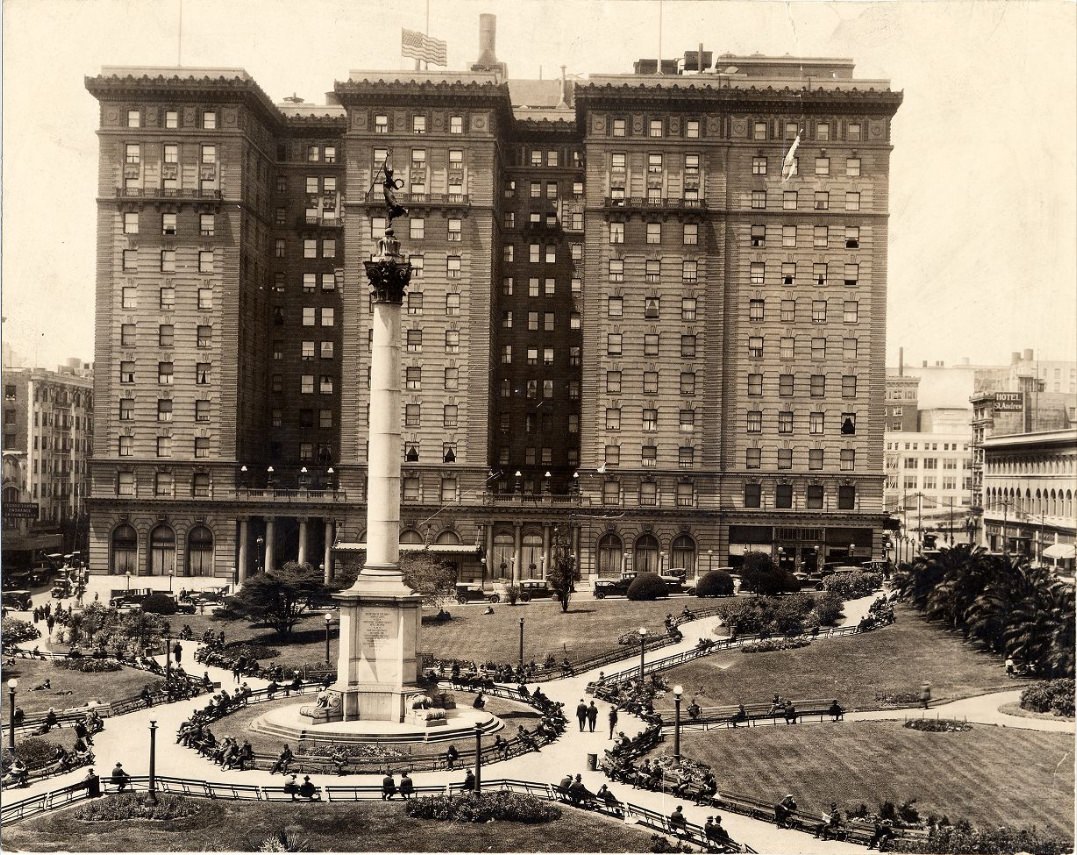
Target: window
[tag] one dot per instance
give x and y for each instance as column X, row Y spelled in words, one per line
column 688, row 308
column 201, row 411
column 759, row 199
column 852, row 167
column 755, row 347
column 132, row 153
column 164, row 446
column 753, row 493
column 848, row 428
column 130, row 260
column 688, row 383
column 506, row 354
column 127, row 372
column 414, row 341
column 613, row 382
column 209, row 154
column 206, row 225
column 452, row 379
column 127, row 335
column 785, row 458
column 452, row 341
column 329, row 248
column 614, row 344
column 456, row 124
column 852, row 237
column 687, row 421
column 757, row 272
column 412, row 415
column 613, row 418
column 649, row 456
column 532, row 321
column 689, row 271
column 755, row 385
column 852, row 201
column 787, row 348
column 655, row 128
column 786, row 385
column 815, row 459
column 201, row 373
column 758, row 236
column 617, row 270
column 418, row 263
column 547, row 356
column 617, row 232
column 165, row 373
column 851, row 311
column 418, row 124
column 852, row 132
column 201, row 446
column 688, row 346
column 168, row 261
column 818, row 311
column 783, row 496
column 818, row 348
column 308, row 316
column 654, row 233
column 130, row 223
column 785, row 421
column 614, row 307
column 209, row 120
column 822, row 200
column 817, row 385
column 455, row 229
column 413, row 377
column 852, row 275
column 754, row 422
column 171, row 153
column 848, row 385
column 327, row 317
column 759, row 166
column 650, row 344
column 654, row 163
column 789, row 311
column 759, row 131
column 691, row 234
column 126, row 446
column 848, row 459
column 848, row 348
column 789, row 200
column 166, row 336
column 205, row 261
column 548, row 321
column 822, row 166
column 789, row 235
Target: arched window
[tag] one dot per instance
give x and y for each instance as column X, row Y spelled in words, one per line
column 162, row 551
column 610, row 556
column 501, row 557
column 411, row 536
column 200, row 551
column 448, row 537
column 646, row 559
column 124, row 551
column 531, row 559
column 682, row 553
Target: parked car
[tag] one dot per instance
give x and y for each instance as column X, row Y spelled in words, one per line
column 839, row 566
column 877, row 566
column 472, row 592
column 809, row 581
column 17, row 599
column 674, row 584
column 611, row 587
column 532, row 588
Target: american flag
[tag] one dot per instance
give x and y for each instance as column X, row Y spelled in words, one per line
column 420, row 46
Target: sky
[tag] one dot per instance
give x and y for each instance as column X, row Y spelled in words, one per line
column 983, row 182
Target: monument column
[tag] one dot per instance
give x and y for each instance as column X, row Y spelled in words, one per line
column 545, row 550
column 244, row 569
column 328, row 557
column 269, row 543
column 303, row 532
column 377, row 668
column 517, row 557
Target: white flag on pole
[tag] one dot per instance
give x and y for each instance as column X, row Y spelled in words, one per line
column 789, row 166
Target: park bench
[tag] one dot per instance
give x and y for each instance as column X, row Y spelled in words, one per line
column 757, row 714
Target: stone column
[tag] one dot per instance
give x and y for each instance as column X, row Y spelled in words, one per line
column 302, row 540
column 269, row 543
column 244, row 568
column 545, row 550
column 328, row 557
column 517, row 553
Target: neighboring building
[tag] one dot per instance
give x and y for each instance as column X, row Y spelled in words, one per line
column 902, row 406
column 622, row 325
column 1029, row 482
column 946, row 420
column 928, row 481
column 48, row 425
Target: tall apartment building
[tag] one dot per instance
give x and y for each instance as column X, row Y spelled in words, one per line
column 902, row 407
column 929, row 483
column 48, row 425
column 624, row 327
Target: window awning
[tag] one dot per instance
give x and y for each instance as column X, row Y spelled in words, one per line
column 434, row 548
column 1060, row 550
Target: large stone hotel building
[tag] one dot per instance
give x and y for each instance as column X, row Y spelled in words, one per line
column 625, row 328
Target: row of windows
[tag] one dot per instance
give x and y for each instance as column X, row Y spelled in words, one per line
column 166, row 298
column 166, row 336
column 307, row 349
column 310, row 247
column 168, row 261
column 207, row 119
column 814, row 496
column 821, row 235
column 791, row 200
column 853, row 131
column 531, row 388
column 132, row 153
column 166, row 373
column 201, row 446
column 415, row 303
column 928, row 446
column 532, row 354
column 787, row 419
column 928, row 482
column 689, row 270
column 320, row 154
column 169, row 220
column 311, row 316
column 418, row 124
column 816, row 385
column 165, row 409
column 652, row 306
column 417, row 228
column 538, row 288
column 450, row 415
column 822, row 166
column 508, row 253
column 533, row 422
column 414, row 341
column 548, row 321
column 306, row 384
column 413, row 378
column 787, row 349
column 551, row 157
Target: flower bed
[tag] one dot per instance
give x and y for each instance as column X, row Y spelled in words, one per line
column 483, row 807
column 88, row 665
column 772, row 644
column 938, row 725
column 128, row 807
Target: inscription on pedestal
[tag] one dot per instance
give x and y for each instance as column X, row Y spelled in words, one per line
column 377, row 628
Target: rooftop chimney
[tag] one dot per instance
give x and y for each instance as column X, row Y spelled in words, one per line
column 1028, row 354
column 487, row 60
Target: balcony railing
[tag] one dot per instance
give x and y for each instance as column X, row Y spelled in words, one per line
column 166, row 193
column 461, row 199
column 668, row 202
column 302, row 222
column 300, row 494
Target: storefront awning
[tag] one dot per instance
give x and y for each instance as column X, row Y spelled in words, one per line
column 434, row 548
column 1060, row 551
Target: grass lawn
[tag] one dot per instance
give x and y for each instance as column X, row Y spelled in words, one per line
column 105, row 686
column 971, row 775
column 357, row 827
column 514, row 715
column 857, row 670
column 590, row 626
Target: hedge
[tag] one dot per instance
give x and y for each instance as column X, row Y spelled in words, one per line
column 646, row 586
column 716, row 583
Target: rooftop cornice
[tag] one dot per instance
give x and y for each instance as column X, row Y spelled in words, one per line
column 527, row 128
column 379, row 86
column 236, row 87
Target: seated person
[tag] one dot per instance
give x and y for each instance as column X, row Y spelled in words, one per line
column 677, row 822
column 835, row 710
column 307, row 790
column 480, row 701
column 783, row 810
column 790, row 713
column 884, row 832
column 715, row 832
column 578, row 793
column 708, row 789
column 694, row 710
column 501, row 747
column 740, row 715
column 832, row 825
column 291, row 786
column 17, row 776
column 607, row 798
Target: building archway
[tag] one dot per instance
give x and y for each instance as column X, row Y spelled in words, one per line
column 199, row 551
column 501, row 556
column 124, row 547
column 610, row 556
column 162, row 556
column 646, row 558
column 682, row 553
column 531, row 556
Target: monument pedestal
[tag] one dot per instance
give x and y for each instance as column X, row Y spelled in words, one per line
column 378, row 666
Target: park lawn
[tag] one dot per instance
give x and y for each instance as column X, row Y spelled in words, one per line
column 860, row 670
column 237, row 724
column 989, row 775
column 104, row 686
column 348, row 827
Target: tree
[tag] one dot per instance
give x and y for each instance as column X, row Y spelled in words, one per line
column 429, row 576
column 716, row 583
column 646, row 586
column 563, row 572
column 279, row 598
column 760, row 574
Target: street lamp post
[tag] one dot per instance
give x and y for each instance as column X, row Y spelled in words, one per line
column 710, row 555
column 153, row 761
column 478, row 757
column 260, row 542
column 12, row 684
column 128, row 575
column 328, row 623
column 642, row 649
column 678, row 691
column 168, row 658
column 171, row 576
column 521, row 643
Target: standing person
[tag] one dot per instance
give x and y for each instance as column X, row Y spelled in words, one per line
column 925, row 694
column 613, row 720
column 592, row 716
column 581, row 714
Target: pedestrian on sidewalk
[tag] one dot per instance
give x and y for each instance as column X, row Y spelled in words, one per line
column 613, row 720
column 592, row 716
column 581, row 714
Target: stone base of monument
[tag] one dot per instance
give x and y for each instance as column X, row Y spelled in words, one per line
column 290, row 725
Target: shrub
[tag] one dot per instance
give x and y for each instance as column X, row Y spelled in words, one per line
column 660, row 843
column 850, row 586
column 938, row 725
column 88, row 665
column 760, row 575
column 646, row 586
column 512, row 593
column 717, row 583
column 1049, row 696
column 960, row 839
column 136, row 806
column 483, row 807
column 772, row 644
column 17, row 631
column 283, row 840
column 828, row 608
column 784, row 615
column 35, row 753
column 159, row 604
column 251, row 650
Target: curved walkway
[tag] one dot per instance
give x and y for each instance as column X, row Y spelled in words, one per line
column 125, row 739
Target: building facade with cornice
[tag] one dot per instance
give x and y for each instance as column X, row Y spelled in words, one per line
column 626, row 330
